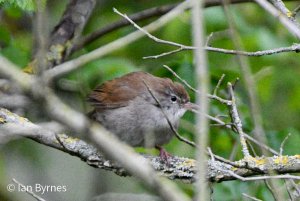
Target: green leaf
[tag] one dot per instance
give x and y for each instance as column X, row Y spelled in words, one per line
column 26, row 5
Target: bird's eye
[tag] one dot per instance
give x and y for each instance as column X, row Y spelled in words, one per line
column 173, row 98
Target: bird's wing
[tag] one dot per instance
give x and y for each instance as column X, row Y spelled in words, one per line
column 118, row 92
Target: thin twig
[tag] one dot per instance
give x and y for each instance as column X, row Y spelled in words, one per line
column 282, row 144
column 164, row 54
column 28, row 191
column 179, row 136
column 248, row 137
column 211, row 154
column 286, row 176
column 151, row 36
column 259, row 53
column 237, row 122
column 234, row 150
column 235, row 83
column 250, row 197
column 221, row 100
column 208, row 39
column 134, row 163
column 213, row 157
column 182, row 47
column 279, row 4
column 218, row 85
column 71, row 65
column 229, row 126
column 260, row 144
column 272, row 191
column 167, row 118
column 142, row 15
column 255, row 178
column 295, row 11
column 292, row 26
column 288, row 189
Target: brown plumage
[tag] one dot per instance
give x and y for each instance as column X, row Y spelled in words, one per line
column 125, row 107
column 119, row 91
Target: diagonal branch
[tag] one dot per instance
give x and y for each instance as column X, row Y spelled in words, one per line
column 68, row 30
column 140, row 16
column 179, row 168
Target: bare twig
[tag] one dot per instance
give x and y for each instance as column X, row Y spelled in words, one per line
column 142, row 15
column 145, row 14
column 248, row 137
column 211, row 154
column 282, row 144
column 234, row 150
column 121, row 42
column 235, row 83
column 289, row 24
column 237, row 122
column 251, row 197
column 220, row 122
column 295, row 11
column 183, row 47
column 208, row 39
column 168, row 120
column 165, row 53
column 223, row 101
column 286, row 176
column 176, row 132
column 106, row 142
column 282, row 8
column 252, row 93
column 292, row 48
column 28, row 191
column 218, row 85
column 272, row 190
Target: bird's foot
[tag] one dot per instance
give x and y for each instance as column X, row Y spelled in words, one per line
column 164, row 155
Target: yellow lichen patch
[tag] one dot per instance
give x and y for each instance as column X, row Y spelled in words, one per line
column 189, row 162
column 56, row 52
column 70, row 140
column 297, row 156
column 2, row 120
column 23, row 119
column 30, row 68
column 281, row 160
column 234, row 169
column 259, row 161
column 289, row 14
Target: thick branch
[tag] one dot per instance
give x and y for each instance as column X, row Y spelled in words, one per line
column 180, row 168
column 68, row 29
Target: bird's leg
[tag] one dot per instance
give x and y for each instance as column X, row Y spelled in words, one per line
column 163, row 154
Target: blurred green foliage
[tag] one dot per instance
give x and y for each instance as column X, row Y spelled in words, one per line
column 26, row 5
column 277, row 76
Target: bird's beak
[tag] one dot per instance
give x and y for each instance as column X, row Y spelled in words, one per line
column 191, row 106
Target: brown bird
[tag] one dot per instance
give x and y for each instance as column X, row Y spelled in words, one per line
column 126, row 107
